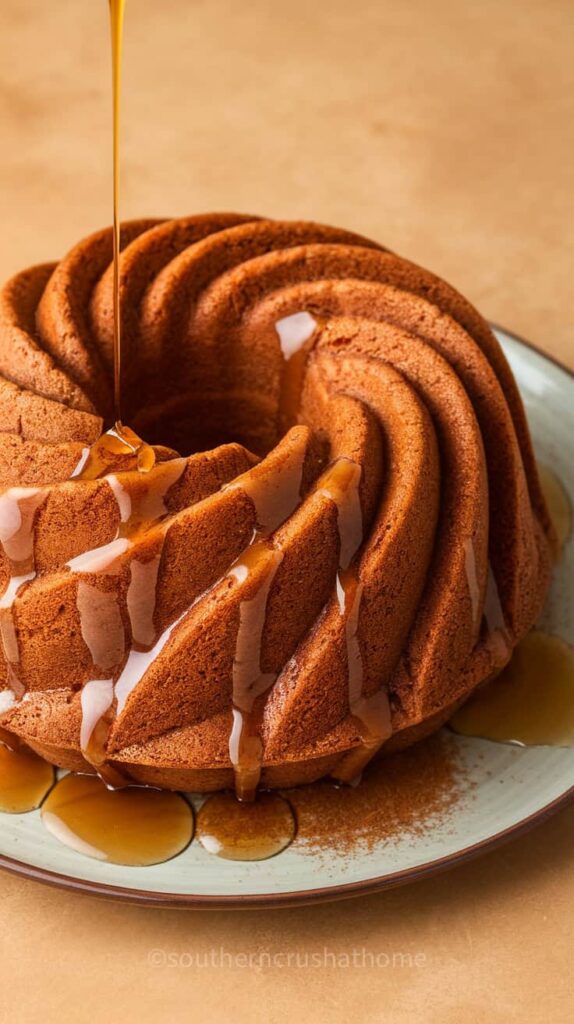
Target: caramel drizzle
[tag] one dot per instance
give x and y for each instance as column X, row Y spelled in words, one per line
column 119, row 442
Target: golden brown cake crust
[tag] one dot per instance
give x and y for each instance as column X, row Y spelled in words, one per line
column 396, row 416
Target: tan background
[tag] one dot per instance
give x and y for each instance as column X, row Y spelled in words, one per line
column 445, row 129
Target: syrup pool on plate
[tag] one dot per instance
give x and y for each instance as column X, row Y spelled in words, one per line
column 246, row 831
column 134, row 826
column 25, row 779
column 558, row 502
column 531, row 702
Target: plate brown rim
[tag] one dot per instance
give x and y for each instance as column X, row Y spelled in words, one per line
column 323, row 894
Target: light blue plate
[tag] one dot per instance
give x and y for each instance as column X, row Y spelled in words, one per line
column 512, row 787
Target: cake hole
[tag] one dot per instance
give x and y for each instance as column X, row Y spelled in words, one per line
column 195, row 423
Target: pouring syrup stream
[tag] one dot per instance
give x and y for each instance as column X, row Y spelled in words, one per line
column 119, row 440
column 117, row 11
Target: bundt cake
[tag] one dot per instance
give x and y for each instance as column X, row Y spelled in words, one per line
column 338, row 534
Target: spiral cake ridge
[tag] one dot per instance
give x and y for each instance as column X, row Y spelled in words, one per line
column 352, row 539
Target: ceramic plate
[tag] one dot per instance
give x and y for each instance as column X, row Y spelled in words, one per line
column 511, row 788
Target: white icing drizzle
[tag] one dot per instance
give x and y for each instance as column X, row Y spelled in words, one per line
column 9, row 635
column 349, row 606
column 150, row 506
column 340, row 483
column 275, row 493
column 18, row 507
column 473, row 588
column 235, row 737
column 17, row 510
column 100, row 618
column 11, row 592
column 499, row 639
column 248, row 680
column 96, row 699
column 10, row 516
column 141, row 600
column 294, row 331
column 7, row 701
column 296, row 335
column 81, row 463
column 99, row 559
column 120, row 493
column 138, row 662
column 101, row 625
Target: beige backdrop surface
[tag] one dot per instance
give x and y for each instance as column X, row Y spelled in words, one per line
column 444, row 129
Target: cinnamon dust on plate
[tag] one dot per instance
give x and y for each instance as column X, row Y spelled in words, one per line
column 407, row 793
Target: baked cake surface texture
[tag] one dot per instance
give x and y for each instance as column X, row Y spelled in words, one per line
column 339, row 534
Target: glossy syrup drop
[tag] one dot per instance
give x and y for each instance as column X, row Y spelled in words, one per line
column 134, row 826
column 235, row 830
column 531, row 702
column 119, row 448
column 24, row 780
column 558, row 502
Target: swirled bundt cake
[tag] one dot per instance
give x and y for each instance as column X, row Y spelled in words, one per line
column 338, row 535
